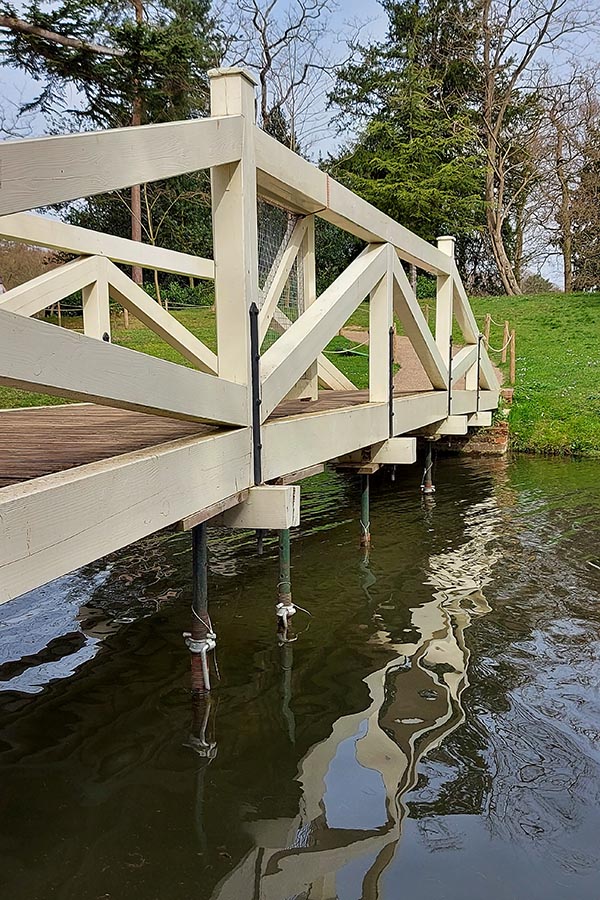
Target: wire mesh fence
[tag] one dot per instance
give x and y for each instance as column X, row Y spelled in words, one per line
column 275, row 228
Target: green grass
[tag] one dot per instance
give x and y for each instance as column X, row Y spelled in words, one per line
column 556, row 407
column 200, row 322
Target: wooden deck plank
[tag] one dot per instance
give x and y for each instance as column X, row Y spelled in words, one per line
column 36, row 441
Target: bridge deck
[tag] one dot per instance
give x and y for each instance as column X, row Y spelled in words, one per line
column 41, row 440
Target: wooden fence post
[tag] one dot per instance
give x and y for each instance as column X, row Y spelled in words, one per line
column 505, row 340
column 486, row 329
column 513, row 357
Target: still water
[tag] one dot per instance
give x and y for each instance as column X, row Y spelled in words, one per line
column 433, row 732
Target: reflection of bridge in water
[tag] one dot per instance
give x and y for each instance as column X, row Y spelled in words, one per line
column 355, row 782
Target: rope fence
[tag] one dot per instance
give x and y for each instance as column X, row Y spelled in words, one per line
column 509, row 341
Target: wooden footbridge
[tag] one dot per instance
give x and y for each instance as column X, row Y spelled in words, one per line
column 152, row 443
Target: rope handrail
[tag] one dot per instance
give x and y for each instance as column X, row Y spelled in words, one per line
column 502, row 349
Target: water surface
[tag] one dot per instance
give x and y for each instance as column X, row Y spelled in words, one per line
column 432, row 733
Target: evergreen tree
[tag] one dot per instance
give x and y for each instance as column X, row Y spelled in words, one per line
column 417, row 156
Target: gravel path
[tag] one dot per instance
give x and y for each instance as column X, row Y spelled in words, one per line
column 411, row 376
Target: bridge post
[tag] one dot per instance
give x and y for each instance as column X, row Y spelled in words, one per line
column 427, row 486
column 365, row 514
column 235, row 229
column 285, row 609
column 444, row 301
column 201, row 640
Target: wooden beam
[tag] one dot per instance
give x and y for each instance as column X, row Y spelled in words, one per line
column 43, row 232
column 302, row 441
column 268, row 506
column 479, row 420
column 290, row 356
column 344, row 464
column 417, row 410
column 37, row 356
column 205, row 515
column 463, row 361
column 328, row 373
column 288, row 178
column 96, row 307
column 462, row 309
column 381, row 317
column 281, row 276
column 465, row 402
column 333, row 377
column 55, row 524
column 451, row 425
column 158, row 320
column 235, row 235
column 487, row 375
column 41, row 171
column 308, row 264
column 395, row 451
column 444, row 300
column 37, row 294
column 301, row 474
column 417, row 330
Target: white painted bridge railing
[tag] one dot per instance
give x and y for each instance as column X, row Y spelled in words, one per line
column 245, row 164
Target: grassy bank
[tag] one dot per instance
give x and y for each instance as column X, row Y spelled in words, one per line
column 556, row 406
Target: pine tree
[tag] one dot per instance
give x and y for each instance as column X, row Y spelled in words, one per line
column 417, row 157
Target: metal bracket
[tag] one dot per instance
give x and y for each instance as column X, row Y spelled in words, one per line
column 450, row 378
column 479, row 340
column 256, row 399
column 391, row 383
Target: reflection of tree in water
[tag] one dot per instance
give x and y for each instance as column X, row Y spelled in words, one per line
column 354, row 782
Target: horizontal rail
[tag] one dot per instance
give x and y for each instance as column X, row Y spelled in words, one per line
column 57, row 523
column 41, row 171
column 43, row 232
column 288, row 178
column 37, row 356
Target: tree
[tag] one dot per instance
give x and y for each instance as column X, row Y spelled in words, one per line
column 289, row 48
column 128, row 64
column 417, row 156
column 513, row 34
column 417, row 164
column 585, row 210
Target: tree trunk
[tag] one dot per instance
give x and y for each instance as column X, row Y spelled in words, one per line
column 505, row 270
column 494, row 197
column 136, row 196
column 413, row 278
column 564, row 214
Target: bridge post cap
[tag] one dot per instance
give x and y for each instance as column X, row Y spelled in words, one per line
column 446, row 237
column 229, row 71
